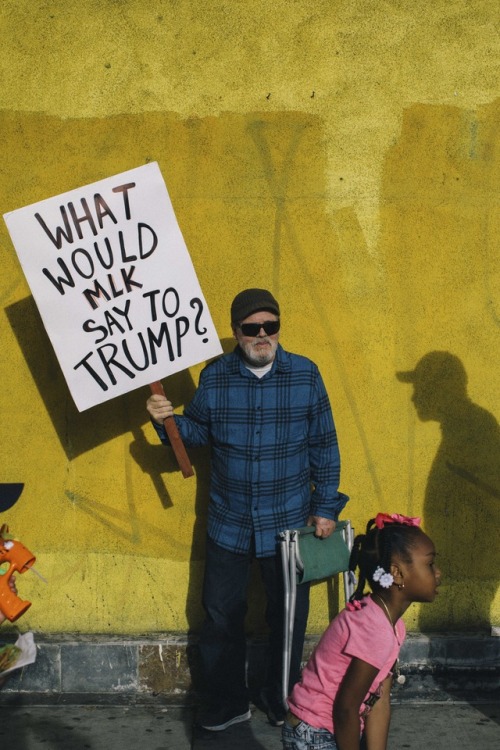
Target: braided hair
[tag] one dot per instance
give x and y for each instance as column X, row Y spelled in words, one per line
column 377, row 547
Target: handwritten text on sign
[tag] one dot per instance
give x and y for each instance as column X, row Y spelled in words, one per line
column 114, row 284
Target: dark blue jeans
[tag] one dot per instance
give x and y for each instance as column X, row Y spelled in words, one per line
column 222, row 639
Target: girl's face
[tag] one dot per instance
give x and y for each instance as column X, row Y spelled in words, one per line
column 421, row 577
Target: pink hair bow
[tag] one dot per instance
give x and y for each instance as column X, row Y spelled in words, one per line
column 354, row 605
column 384, row 518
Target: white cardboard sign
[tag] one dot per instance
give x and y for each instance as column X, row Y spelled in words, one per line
column 112, row 278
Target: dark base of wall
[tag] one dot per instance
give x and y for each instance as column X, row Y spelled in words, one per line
column 164, row 669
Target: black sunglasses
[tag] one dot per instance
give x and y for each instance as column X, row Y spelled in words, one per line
column 253, row 329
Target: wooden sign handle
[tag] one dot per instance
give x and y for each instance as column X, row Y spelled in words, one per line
column 174, row 437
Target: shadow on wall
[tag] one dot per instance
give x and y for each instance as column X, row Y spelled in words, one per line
column 157, row 460
column 462, row 497
column 79, row 432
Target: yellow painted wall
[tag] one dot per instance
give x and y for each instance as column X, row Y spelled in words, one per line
column 344, row 155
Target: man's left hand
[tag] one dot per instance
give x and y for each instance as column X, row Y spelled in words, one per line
column 324, row 526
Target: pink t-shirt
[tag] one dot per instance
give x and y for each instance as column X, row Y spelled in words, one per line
column 366, row 634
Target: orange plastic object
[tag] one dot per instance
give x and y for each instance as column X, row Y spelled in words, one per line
column 20, row 560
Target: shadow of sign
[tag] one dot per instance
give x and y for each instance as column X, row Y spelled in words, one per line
column 79, row 432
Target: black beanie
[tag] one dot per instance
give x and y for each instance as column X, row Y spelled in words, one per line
column 250, row 301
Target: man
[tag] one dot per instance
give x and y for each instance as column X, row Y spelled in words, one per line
column 275, row 465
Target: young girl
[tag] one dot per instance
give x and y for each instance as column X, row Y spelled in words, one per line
column 345, row 687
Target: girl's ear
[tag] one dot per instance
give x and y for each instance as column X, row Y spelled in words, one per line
column 397, row 574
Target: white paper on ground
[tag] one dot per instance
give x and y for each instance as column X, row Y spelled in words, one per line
column 26, row 642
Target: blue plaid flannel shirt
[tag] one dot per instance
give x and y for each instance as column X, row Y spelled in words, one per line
column 275, row 457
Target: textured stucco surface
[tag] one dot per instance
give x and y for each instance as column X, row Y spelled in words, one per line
column 343, row 154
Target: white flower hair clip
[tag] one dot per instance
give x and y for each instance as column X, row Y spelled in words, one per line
column 384, row 579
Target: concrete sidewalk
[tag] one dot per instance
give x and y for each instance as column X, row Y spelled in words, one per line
column 414, row 726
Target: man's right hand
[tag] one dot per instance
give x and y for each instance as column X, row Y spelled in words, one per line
column 159, row 408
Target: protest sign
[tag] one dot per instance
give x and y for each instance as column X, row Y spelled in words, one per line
column 114, row 283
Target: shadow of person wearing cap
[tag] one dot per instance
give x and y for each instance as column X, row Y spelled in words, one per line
column 462, row 496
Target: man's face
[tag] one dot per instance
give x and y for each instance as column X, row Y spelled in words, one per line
column 259, row 348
